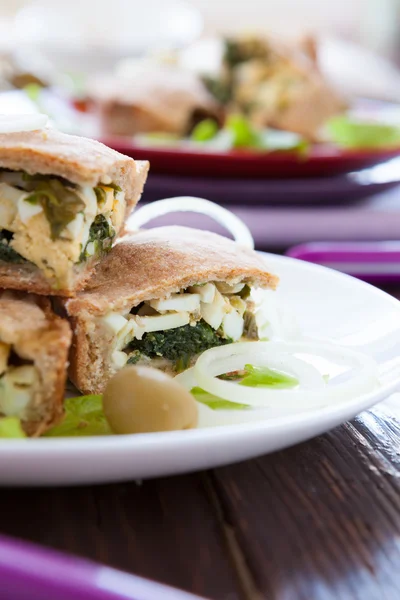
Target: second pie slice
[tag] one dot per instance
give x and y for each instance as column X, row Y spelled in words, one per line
column 63, row 202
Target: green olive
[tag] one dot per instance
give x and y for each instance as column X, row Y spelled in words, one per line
column 141, row 399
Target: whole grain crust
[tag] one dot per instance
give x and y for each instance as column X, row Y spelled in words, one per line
column 78, row 159
column 28, row 323
column 157, row 262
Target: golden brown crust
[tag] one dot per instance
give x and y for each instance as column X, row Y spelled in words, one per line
column 28, row 323
column 27, row 277
column 78, row 159
column 157, row 262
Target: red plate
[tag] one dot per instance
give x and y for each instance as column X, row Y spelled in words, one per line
column 322, row 161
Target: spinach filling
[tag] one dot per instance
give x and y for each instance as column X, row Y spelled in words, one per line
column 101, row 234
column 8, row 254
column 179, row 345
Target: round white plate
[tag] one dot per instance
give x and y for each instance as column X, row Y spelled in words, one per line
column 327, row 304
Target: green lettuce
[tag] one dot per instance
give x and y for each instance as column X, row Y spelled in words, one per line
column 267, row 378
column 205, row 130
column 84, row 416
column 352, row 133
column 239, row 133
column 10, row 427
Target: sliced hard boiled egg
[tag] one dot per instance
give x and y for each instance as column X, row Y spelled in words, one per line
column 75, row 226
column 178, row 302
column 119, row 359
column 233, row 325
column 163, row 322
column 114, row 321
column 90, row 199
column 27, row 210
column 214, row 313
column 206, row 292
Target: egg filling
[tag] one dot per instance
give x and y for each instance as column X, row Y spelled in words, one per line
column 19, row 383
column 54, row 224
column 173, row 331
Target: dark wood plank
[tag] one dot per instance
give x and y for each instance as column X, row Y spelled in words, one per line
column 164, row 529
column 321, row 521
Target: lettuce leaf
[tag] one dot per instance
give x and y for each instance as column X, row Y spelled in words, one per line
column 243, row 133
column 83, row 417
column 10, row 427
column 239, row 133
column 204, row 131
column 264, row 377
column 351, row 133
column 214, row 402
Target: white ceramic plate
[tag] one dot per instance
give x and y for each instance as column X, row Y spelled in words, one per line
column 326, row 303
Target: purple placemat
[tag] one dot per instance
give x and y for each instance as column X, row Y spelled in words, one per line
column 31, row 572
column 375, row 219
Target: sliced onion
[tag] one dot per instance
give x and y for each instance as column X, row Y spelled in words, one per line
column 280, row 355
column 22, row 122
column 239, row 231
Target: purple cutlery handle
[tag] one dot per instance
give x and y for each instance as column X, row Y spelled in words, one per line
column 372, row 261
column 29, row 571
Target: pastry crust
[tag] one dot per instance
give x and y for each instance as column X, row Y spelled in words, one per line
column 27, row 276
column 36, row 334
column 157, row 262
column 78, row 159
column 150, row 264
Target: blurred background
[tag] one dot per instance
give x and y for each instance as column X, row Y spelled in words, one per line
column 126, row 71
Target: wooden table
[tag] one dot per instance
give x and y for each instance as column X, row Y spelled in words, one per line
column 319, row 521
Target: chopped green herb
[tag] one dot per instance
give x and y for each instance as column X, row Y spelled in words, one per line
column 101, row 195
column 134, row 358
column 115, row 187
column 61, row 204
column 101, row 234
column 245, row 292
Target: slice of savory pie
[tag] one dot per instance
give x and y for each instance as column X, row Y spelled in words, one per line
column 161, row 297
column 34, row 346
column 63, row 201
